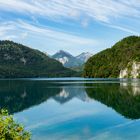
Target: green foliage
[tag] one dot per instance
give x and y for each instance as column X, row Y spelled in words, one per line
column 109, row 62
column 10, row 130
column 17, row 60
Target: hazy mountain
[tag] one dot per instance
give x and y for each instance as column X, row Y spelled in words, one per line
column 84, row 56
column 47, row 54
column 71, row 61
column 17, row 60
column 67, row 59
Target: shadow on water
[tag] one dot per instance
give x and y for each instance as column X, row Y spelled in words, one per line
column 122, row 97
column 19, row 95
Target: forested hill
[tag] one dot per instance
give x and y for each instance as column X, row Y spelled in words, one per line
column 122, row 60
column 17, row 60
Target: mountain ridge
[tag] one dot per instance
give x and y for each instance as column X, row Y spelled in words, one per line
column 84, row 56
column 119, row 61
column 70, row 61
column 19, row 61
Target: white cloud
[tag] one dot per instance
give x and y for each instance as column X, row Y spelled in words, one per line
column 101, row 10
column 110, row 13
column 104, row 11
column 5, row 32
column 123, row 29
column 55, row 34
column 85, row 22
column 23, row 29
column 24, row 35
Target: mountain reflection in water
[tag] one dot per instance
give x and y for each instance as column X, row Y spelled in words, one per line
column 123, row 97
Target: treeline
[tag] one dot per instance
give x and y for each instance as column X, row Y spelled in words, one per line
column 17, row 60
column 110, row 62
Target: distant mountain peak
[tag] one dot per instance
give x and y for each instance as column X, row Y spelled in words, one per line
column 69, row 60
column 84, row 56
column 28, row 62
column 66, row 59
column 62, row 52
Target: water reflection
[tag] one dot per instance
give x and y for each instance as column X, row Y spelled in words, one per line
column 131, row 87
column 123, row 97
column 69, row 92
column 19, row 95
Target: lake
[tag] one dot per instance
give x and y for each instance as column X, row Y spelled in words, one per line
column 74, row 108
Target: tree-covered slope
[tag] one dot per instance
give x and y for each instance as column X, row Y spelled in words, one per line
column 17, row 60
column 110, row 62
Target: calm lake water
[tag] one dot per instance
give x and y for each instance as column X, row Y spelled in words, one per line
column 74, row 109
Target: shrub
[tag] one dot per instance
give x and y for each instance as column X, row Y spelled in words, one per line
column 9, row 129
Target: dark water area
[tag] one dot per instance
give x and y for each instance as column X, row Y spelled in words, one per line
column 74, row 108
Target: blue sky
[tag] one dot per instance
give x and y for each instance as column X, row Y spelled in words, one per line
column 72, row 25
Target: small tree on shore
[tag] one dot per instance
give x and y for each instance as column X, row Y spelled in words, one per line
column 9, row 129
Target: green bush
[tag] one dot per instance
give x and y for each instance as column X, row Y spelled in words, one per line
column 9, row 129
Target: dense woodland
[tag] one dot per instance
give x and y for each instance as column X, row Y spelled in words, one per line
column 17, row 60
column 110, row 62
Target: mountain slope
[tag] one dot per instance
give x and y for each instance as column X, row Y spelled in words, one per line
column 67, row 59
column 122, row 60
column 84, row 56
column 17, row 60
